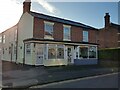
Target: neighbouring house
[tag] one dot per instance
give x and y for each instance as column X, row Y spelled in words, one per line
column 109, row 36
column 40, row 39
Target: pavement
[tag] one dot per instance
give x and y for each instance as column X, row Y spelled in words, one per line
column 18, row 75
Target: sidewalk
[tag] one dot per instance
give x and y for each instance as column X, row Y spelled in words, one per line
column 17, row 75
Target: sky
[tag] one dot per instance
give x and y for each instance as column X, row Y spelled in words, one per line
column 89, row 13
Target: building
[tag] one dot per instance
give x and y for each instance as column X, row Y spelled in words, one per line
column 109, row 36
column 40, row 39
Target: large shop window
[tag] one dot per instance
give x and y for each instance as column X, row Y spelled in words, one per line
column 92, row 52
column 55, row 51
column 67, row 33
column 83, row 51
column 51, row 51
column 48, row 30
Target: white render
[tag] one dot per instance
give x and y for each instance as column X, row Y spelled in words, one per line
column 25, row 30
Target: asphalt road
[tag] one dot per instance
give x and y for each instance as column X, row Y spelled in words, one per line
column 101, row 81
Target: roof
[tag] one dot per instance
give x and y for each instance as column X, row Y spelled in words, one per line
column 60, row 20
column 116, row 26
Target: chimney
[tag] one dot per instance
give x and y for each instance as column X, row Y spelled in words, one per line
column 26, row 6
column 107, row 20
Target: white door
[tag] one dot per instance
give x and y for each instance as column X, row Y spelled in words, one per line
column 70, row 54
column 39, row 54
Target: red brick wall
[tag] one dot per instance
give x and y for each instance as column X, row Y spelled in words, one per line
column 76, row 34
column 38, row 31
column 92, row 36
column 108, row 38
column 58, row 31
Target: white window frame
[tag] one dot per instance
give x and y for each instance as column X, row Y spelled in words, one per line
column 85, row 38
column 49, row 23
column 66, row 39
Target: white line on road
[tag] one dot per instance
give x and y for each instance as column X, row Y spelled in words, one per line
column 67, row 81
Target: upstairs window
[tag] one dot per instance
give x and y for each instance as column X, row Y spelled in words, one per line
column 3, row 38
column 67, row 32
column 85, row 36
column 0, row 39
column 48, row 26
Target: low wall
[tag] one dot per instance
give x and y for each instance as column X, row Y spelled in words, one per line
column 85, row 61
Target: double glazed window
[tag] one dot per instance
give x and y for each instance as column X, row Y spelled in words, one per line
column 85, row 36
column 67, row 32
column 48, row 26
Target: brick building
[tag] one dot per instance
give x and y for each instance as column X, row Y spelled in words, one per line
column 40, row 39
column 109, row 36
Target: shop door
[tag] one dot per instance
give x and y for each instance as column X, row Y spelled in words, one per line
column 39, row 54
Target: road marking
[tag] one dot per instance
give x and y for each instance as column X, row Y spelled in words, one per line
column 67, row 81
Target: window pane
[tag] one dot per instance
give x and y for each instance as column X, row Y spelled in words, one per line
column 60, row 52
column 92, row 52
column 51, row 52
column 83, row 52
column 67, row 33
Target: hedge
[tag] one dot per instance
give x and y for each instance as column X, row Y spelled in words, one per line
column 109, row 54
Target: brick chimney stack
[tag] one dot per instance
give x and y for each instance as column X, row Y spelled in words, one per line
column 26, row 6
column 107, row 20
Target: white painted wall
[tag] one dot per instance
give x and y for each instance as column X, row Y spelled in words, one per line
column 25, row 31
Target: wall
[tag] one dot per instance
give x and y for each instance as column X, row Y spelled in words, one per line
column 107, row 38
column 76, row 32
column 25, row 31
column 9, row 54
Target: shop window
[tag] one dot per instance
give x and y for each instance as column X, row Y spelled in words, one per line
column 83, row 52
column 92, row 52
column 60, row 52
column 52, row 51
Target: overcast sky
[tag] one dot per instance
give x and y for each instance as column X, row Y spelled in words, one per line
column 89, row 13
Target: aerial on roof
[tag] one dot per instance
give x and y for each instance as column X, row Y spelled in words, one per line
column 56, row 19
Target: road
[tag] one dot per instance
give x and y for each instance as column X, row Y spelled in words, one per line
column 101, row 81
